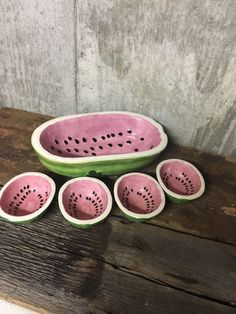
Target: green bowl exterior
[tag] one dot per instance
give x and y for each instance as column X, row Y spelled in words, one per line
column 176, row 200
column 104, row 167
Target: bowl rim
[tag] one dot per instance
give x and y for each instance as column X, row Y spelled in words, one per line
column 35, row 141
column 36, row 213
column 91, row 221
column 157, row 211
column 176, row 195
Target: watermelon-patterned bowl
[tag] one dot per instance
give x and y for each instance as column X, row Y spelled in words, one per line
column 108, row 143
column 181, row 180
column 139, row 196
column 26, row 197
column 84, row 201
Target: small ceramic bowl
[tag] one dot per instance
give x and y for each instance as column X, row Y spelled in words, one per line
column 139, row 196
column 84, row 201
column 180, row 180
column 26, row 197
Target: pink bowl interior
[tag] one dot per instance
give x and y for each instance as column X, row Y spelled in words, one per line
column 97, row 135
column 139, row 194
column 180, row 178
column 85, row 199
column 25, row 195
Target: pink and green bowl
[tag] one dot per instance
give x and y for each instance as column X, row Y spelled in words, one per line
column 180, row 180
column 139, row 196
column 108, row 143
column 84, row 201
column 26, row 197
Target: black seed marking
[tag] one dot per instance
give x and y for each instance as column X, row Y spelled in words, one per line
column 136, row 150
column 93, row 192
column 66, row 142
column 76, row 150
column 52, row 148
column 69, row 138
column 68, row 150
column 89, row 198
column 56, row 141
column 120, row 145
column 100, row 147
column 24, row 187
column 109, row 144
column 94, row 154
column 22, row 199
column 80, row 195
column 92, row 148
column 98, row 198
column 86, row 198
column 15, row 197
column 86, row 152
column 129, row 131
column 93, row 201
column 182, row 181
column 27, row 193
column 103, row 137
column 151, row 147
column 132, row 190
column 84, row 139
column 112, row 135
column 21, row 190
column 128, row 142
column 141, row 139
column 10, row 205
column 100, row 201
column 120, row 133
column 76, row 141
column 108, row 135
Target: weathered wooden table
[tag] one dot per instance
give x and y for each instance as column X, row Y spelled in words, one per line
column 183, row 261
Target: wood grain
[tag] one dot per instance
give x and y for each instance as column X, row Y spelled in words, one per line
column 117, row 266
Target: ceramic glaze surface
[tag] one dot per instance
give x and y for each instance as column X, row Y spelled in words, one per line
column 139, row 194
column 84, row 199
column 180, row 178
column 97, row 135
column 25, row 195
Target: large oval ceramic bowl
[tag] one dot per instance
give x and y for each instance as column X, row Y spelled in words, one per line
column 107, row 143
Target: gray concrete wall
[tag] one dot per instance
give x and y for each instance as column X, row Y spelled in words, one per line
column 171, row 60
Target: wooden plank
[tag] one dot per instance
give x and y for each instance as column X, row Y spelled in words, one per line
column 199, row 266
column 52, row 254
column 212, row 216
column 37, row 56
column 58, row 268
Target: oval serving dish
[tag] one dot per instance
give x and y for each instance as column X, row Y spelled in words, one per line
column 107, row 143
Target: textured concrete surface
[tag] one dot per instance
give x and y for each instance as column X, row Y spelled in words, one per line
column 171, row 60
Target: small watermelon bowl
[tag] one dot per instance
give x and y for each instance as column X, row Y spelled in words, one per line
column 84, row 201
column 26, row 197
column 104, row 143
column 139, row 196
column 180, row 180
